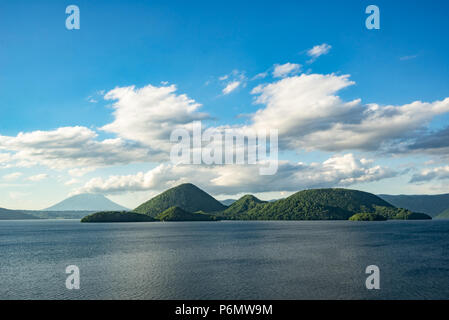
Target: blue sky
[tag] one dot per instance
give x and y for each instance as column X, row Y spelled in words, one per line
column 51, row 78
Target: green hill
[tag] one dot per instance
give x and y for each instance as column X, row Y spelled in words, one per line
column 321, row 204
column 186, row 196
column 443, row 215
column 177, row 204
column 117, row 216
column 432, row 205
column 178, row 214
column 241, row 206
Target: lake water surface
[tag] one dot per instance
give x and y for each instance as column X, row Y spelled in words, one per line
column 224, row 260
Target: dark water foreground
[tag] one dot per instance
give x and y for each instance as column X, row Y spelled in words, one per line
column 224, row 260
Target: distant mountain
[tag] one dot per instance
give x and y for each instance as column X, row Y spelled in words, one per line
column 178, row 214
column 432, row 205
column 241, row 206
column 321, row 204
column 87, row 202
column 228, row 202
column 6, row 214
column 443, row 215
column 186, row 196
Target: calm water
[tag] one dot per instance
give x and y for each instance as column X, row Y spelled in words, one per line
column 224, row 260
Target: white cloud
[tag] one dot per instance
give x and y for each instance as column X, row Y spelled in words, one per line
column 12, row 176
column 69, row 147
column 231, row 87
column 71, row 182
column 149, row 115
column 261, row 75
column 232, row 81
column 38, row 177
column 286, row 69
column 143, row 120
column 439, row 173
column 310, row 115
column 306, row 110
column 342, row 170
column 318, row 51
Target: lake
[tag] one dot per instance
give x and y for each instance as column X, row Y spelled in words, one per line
column 224, row 260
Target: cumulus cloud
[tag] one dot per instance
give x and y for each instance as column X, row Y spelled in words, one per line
column 310, row 115
column 286, row 69
column 306, row 110
column 318, row 51
column 432, row 143
column 439, row 173
column 149, row 115
column 143, row 121
column 343, row 170
column 69, row 147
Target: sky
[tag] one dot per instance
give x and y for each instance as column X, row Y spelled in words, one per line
column 92, row 109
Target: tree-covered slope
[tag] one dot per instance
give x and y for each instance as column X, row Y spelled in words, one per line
column 178, row 214
column 350, row 200
column 186, row 196
column 117, row 216
column 408, row 215
column 432, row 205
column 321, row 204
column 241, row 206
column 367, row 217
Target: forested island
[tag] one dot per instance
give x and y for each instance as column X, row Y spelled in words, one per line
column 187, row 202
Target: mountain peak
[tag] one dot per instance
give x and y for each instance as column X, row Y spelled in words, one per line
column 186, row 196
column 250, row 197
column 86, row 202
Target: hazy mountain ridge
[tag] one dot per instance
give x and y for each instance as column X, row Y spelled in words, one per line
column 228, row 202
column 6, row 214
column 443, row 215
column 432, row 205
column 86, row 202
